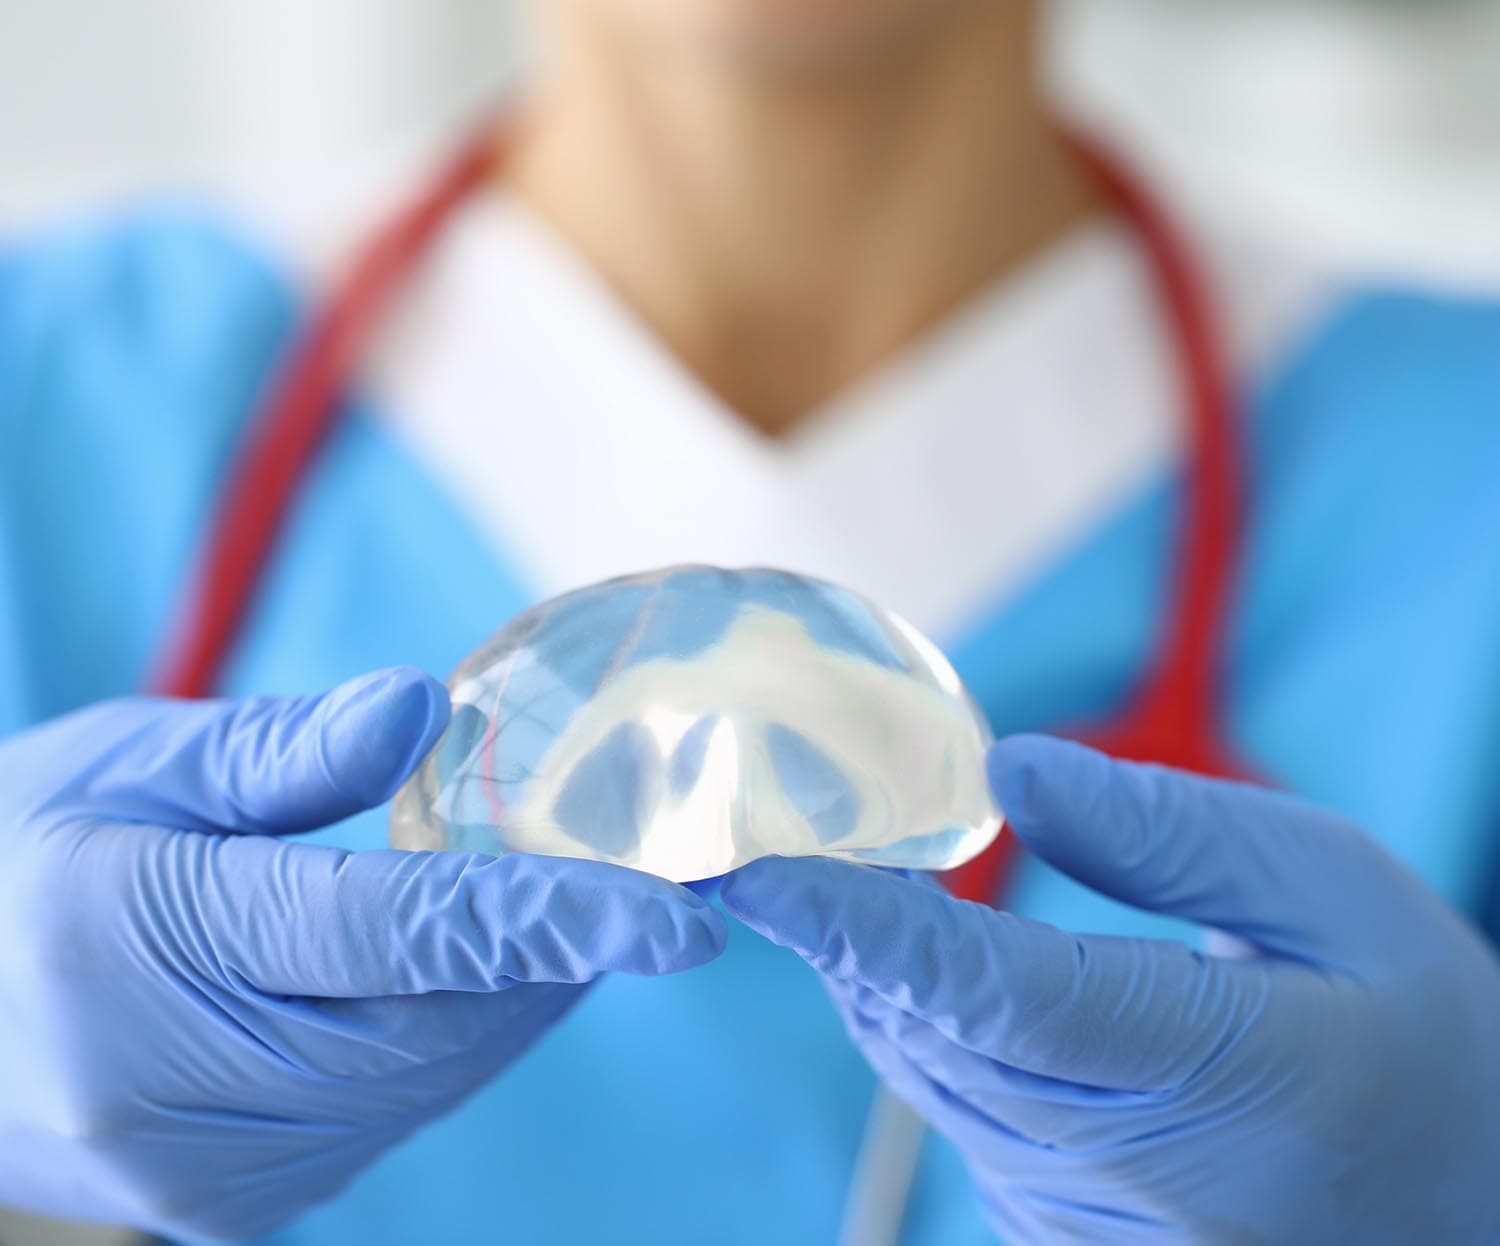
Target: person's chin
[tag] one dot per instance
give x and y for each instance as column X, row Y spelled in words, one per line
column 808, row 40
column 813, row 38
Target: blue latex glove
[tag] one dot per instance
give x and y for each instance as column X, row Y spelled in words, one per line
column 204, row 1029
column 1340, row 1083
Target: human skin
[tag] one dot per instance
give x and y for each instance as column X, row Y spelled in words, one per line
column 787, row 193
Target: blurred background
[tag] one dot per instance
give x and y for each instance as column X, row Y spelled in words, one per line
column 1372, row 126
column 1369, row 127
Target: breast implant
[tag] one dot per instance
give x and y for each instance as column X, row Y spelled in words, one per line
column 688, row 721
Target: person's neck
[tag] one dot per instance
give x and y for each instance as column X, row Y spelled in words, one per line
column 783, row 238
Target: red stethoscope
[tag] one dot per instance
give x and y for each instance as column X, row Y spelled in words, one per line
column 1174, row 716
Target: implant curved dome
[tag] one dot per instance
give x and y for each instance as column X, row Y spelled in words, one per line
column 688, row 721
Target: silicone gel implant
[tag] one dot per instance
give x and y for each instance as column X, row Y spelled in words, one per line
column 686, row 722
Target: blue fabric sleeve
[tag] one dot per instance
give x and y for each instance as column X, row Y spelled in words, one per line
column 1374, row 578
column 132, row 350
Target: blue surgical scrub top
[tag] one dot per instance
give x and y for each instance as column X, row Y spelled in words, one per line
column 726, row 1105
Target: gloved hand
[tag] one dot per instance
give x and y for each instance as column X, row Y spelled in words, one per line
column 205, row 1029
column 1339, row 1083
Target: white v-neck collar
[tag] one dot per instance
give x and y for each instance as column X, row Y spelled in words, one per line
column 954, row 472
column 958, row 469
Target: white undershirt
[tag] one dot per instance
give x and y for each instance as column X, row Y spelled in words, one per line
column 936, row 485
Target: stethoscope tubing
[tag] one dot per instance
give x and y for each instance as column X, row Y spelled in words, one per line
column 1175, row 715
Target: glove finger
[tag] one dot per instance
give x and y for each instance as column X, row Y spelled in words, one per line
column 961, row 1122
column 302, row 919
column 1080, row 1208
column 259, row 766
column 1256, row 863
column 1054, row 1114
column 369, row 1040
column 1129, row 1014
column 281, row 1168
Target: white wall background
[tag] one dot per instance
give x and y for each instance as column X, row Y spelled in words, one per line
column 97, row 96
column 1373, row 124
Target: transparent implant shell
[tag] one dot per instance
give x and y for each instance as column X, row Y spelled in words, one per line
column 688, row 721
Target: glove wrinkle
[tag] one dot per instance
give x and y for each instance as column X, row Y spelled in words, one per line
column 209, row 1028
column 1339, row 1084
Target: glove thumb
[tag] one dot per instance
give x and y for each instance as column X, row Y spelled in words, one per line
column 1247, row 860
column 261, row 765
